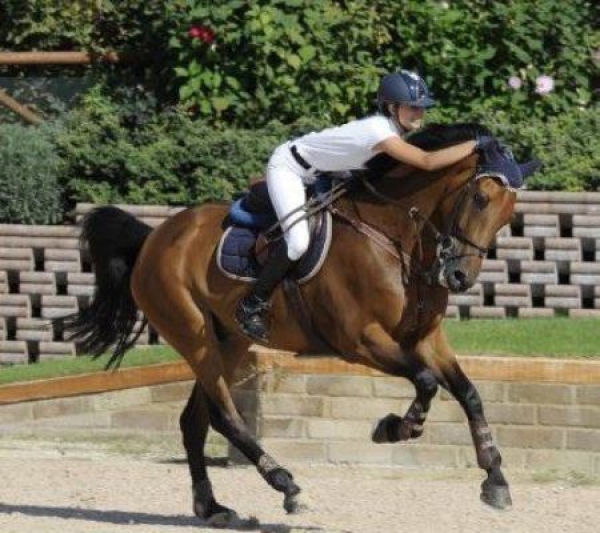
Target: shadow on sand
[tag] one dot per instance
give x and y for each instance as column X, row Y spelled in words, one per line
column 128, row 517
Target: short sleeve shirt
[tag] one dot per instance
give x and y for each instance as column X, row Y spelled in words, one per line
column 346, row 147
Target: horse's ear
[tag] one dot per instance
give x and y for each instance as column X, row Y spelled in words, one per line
column 529, row 168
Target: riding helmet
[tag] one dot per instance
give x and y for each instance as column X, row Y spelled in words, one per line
column 404, row 87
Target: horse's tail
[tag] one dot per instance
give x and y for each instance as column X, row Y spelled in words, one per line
column 114, row 239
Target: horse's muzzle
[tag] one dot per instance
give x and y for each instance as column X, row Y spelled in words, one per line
column 455, row 279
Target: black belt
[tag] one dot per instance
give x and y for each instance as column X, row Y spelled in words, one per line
column 299, row 159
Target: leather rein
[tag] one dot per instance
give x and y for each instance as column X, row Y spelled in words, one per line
column 446, row 249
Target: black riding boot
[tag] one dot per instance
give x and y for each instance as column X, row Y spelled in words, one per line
column 253, row 310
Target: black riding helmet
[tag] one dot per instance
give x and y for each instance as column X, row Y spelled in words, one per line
column 404, row 87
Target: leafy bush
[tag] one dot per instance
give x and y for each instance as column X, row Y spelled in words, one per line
column 566, row 144
column 29, row 169
column 245, row 63
column 114, row 153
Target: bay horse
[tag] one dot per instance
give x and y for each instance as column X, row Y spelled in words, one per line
column 412, row 235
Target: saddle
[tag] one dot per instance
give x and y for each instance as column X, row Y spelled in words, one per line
column 245, row 244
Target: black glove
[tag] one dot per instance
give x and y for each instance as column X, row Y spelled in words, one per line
column 483, row 142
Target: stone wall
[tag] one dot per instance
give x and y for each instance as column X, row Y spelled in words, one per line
column 546, row 263
column 544, row 414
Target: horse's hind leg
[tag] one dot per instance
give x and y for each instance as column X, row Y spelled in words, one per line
column 225, row 419
column 194, row 424
column 177, row 318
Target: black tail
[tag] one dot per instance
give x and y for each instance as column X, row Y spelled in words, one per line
column 114, row 239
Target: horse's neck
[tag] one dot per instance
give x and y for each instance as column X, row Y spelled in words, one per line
column 423, row 191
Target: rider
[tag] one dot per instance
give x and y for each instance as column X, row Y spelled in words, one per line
column 402, row 99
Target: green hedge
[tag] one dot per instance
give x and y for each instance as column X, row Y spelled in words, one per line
column 246, row 63
column 114, row 154
column 104, row 152
column 29, row 170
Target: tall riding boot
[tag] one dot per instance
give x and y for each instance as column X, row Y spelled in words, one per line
column 253, row 310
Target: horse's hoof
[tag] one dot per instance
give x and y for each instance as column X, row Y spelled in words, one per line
column 295, row 503
column 386, row 429
column 496, row 496
column 229, row 519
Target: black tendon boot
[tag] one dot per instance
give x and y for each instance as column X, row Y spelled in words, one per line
column 253, row 310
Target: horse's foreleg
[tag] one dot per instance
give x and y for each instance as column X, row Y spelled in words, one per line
column 394, row 428
column 494, row 490
column 385, row 353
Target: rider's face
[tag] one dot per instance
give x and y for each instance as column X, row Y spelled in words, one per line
column 410, row 118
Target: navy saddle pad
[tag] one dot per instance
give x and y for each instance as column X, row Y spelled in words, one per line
column 248, row 218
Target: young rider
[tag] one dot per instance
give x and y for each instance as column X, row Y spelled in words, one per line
column 402, row 99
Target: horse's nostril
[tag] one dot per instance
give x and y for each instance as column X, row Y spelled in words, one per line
column 460, row 276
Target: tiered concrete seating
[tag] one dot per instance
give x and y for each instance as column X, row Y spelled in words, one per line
column 37, row 283
column 12, row 352
column 18, row 259
column 34, row 329
column 515, row 248
column 15, row 305
column 512, row 295
column 562, row 297
column 538, row 272
column 584, row 273
column 62, row 260
column 563, row 249
column 474, row 296
column 58, row 306
column 4, row 288
column 493, row 271
column 538, row 225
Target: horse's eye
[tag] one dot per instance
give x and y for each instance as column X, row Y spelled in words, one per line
column 481, row 200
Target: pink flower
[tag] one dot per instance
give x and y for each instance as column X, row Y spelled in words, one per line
column 544, row 84
column 514, row 82
column 202, row 33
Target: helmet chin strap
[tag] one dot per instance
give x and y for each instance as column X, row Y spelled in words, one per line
column 393, row 111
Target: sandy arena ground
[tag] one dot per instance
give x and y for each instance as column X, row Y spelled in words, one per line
column 49, row 488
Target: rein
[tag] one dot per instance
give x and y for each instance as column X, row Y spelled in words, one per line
column 445, row 241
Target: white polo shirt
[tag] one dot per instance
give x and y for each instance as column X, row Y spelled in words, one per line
column 346, row 147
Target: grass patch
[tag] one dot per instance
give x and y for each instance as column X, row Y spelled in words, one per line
column 551, row 337
column 84, row 365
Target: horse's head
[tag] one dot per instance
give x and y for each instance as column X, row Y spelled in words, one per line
column 472, row 212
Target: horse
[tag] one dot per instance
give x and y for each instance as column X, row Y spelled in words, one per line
column 414, row 236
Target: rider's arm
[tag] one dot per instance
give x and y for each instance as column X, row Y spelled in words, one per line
column 399, row 149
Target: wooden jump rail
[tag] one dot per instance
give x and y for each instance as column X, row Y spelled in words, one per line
column 58, row 58
column 48, row 58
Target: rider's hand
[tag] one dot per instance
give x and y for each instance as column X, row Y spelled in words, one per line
column 483, row 142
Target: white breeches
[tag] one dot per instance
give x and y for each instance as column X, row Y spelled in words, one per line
column 286, row 182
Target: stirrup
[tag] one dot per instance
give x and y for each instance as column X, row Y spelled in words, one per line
column 252, row 315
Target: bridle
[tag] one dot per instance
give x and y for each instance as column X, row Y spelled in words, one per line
column 446, row 249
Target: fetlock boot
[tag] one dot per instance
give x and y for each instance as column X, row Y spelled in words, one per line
column 253, row 310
